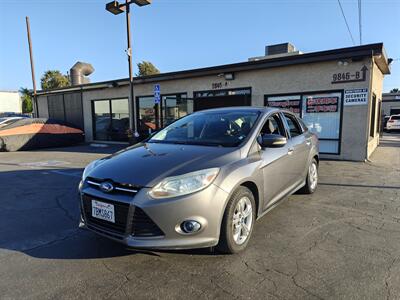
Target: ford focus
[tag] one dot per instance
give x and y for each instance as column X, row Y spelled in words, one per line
column 202, row 181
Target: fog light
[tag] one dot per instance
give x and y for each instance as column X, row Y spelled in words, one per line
column 190, row 226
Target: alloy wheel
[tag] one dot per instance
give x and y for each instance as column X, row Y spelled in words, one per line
column 313, row 175
column 242, row 220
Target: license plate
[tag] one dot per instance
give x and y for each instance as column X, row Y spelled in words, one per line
column 103, row 211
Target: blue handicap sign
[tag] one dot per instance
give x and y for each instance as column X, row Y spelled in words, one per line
column 157, row 94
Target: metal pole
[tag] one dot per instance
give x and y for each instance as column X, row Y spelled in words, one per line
column 28, row 29
column 132, row 121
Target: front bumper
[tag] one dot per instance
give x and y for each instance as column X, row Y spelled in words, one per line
column 206, row 207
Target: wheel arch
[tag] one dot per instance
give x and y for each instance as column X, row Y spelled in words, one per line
column 252, row 186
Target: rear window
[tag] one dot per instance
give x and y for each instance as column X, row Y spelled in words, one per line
column 395, row 118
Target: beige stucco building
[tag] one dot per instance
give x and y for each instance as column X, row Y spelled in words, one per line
column 337, row 93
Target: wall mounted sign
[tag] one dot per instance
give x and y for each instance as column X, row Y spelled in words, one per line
column 344, row 77
column 322, row 104
column 218, row 85
column 290, row 103
column 356, row 97
column 157, row 94
column 218, row 93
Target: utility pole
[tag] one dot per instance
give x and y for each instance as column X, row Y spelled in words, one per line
column 34, row 104
column 116, row 8
column 133, row 121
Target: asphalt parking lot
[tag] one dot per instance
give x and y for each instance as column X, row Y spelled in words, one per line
column 343, row 242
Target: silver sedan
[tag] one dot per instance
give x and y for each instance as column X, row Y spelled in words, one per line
column 202, row 181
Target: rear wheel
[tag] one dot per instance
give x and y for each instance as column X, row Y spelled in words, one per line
column 312, row 178
column 238, row 221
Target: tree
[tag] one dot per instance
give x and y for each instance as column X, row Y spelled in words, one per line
column 27, row 99
column 53, row 79
column 395, row 90
column 147, row 68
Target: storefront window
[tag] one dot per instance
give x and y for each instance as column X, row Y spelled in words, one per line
column 290, row 103
column 111, row 120
column 175, row 107
column 321, row 114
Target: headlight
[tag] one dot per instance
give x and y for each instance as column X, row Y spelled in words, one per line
column 184, row 184
column 90, row 167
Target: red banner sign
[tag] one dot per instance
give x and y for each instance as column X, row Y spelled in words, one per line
column 290, row 105
column 322, row 104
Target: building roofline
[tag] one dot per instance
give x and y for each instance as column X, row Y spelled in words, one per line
column 369, row 50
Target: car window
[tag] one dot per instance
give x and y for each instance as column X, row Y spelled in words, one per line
column 305, row 128
column 273, row 125
column 294, row 127
column 225, row 128
column 395, row 118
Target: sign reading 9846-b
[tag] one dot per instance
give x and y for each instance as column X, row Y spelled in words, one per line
column 342, row 77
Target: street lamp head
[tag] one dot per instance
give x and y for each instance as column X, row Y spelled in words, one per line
column 142, row 2
column 115, row 8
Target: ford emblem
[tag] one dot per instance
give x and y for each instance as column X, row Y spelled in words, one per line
column 106, row 187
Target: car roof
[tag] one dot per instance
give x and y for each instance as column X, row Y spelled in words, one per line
column 261, row 109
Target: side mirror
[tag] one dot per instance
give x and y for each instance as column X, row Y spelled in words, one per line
column 271, row 141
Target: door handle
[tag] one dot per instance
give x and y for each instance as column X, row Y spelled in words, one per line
column 290, row 151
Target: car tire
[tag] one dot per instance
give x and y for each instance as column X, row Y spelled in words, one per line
column 311, row 179
column 238, row 222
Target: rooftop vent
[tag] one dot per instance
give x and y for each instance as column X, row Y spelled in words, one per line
column 277, row 50
column 80, row 72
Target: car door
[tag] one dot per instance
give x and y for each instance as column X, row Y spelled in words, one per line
column 298, row 149
column 275, row 162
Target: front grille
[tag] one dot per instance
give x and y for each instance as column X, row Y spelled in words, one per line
column 121, row 215
column 119, row 188
column 143, row 226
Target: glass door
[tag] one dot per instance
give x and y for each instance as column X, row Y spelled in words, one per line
column 148, row 116
column 101, row 119
column 110, row 120
column 321, row 113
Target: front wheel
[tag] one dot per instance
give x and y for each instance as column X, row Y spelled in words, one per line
column 238, row 221
column 312, row 178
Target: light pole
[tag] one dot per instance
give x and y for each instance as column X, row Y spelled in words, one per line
column 116, row 8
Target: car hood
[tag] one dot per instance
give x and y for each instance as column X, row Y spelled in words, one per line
column 146, row 164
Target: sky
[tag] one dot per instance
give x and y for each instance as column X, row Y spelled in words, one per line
column 182, row 34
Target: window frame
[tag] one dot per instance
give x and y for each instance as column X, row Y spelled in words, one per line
column 302, row 94
column 111, row 118
column 281, row 120
column 295, row 122
column 372, row 118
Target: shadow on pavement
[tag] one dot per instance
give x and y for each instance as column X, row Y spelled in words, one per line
column 39, row 216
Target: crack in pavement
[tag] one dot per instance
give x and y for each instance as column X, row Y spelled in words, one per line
column 66, row 212
column 300, row 286
column 389, row 269
column 120, row 286
column 74, row 232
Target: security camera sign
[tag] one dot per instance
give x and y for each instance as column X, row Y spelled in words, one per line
column 356, row 97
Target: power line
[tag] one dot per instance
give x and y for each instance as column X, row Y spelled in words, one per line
column 345, row 20
column 359, row 20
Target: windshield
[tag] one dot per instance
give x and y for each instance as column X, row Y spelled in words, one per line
column 226, row 129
